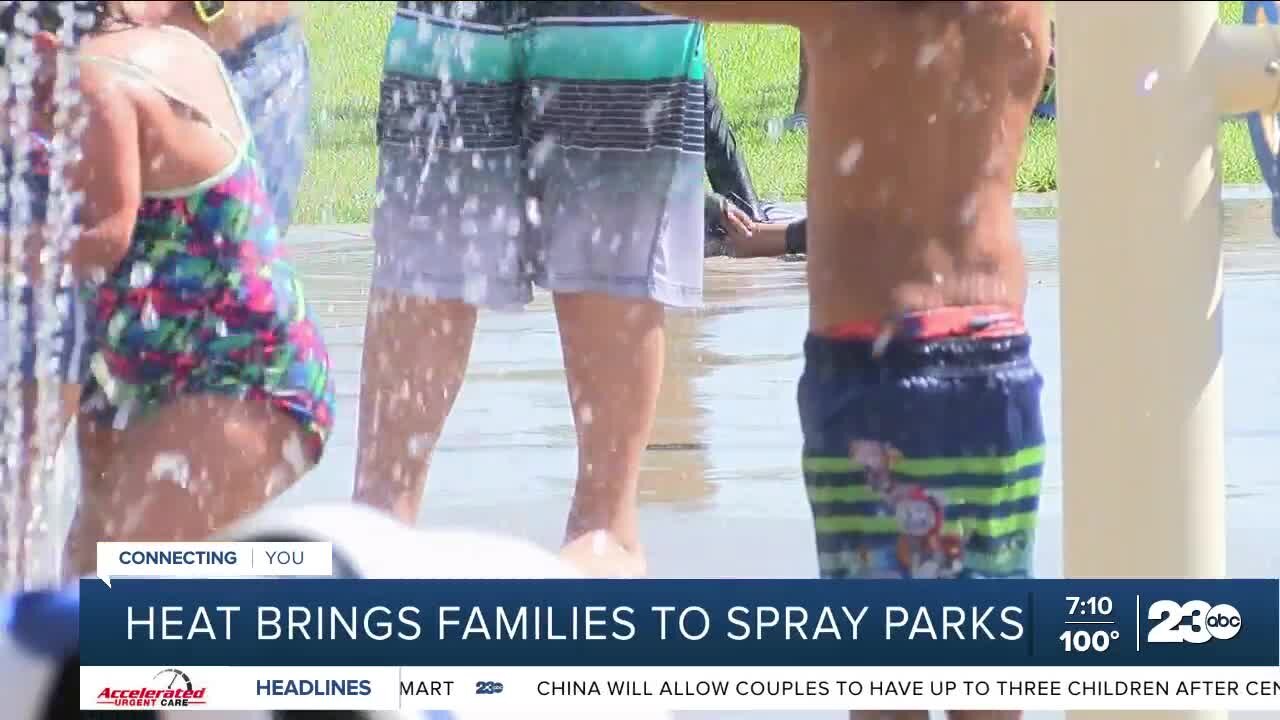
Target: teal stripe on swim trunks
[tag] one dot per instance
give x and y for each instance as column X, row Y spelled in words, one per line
column 422, row 48
column 563, row 49
column 634, row 51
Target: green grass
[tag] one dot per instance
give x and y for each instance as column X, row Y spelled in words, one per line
column 346, row 41
column 756, row 66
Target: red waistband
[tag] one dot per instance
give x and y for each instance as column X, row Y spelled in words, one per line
column 973, row 321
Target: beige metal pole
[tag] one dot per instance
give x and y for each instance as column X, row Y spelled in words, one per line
column 1141, row 290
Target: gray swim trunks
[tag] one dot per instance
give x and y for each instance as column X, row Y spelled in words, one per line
column 551, row 143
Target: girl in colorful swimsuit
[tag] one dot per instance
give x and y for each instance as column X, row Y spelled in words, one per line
column 210, row 390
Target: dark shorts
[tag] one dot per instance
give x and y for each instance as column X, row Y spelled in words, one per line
column 272, row 74
column 550, row 143
column 923, row 449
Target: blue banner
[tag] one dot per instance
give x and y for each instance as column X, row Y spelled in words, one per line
column 310, row 622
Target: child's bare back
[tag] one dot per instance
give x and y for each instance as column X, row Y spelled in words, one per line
column 181, row 139
column 917, row 117
column 161, row 118
column 922, row 109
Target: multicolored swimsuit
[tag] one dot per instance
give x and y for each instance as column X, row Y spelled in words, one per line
column 204, row 301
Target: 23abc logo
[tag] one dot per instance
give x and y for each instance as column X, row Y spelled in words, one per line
column 1194, row 622
column 488, row 687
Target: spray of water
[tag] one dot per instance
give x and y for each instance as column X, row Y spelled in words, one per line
column 29, row 483
column 18, row 96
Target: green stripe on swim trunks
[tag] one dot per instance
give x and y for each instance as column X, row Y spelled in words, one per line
column 888, row 525
column 935, row 467
column 959, row 495
column 425, row 50
column 603, row 52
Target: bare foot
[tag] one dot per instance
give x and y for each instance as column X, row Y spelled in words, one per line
column 598, row 554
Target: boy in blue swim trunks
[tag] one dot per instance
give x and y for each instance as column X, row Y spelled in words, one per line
column 919, row 403
column 550, row 143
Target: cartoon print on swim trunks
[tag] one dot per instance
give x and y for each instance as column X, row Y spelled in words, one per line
column 926, row 548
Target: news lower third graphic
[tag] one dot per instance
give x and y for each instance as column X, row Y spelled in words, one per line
column 214, row 560
column 234, row 643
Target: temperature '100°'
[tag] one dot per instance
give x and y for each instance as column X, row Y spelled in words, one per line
column 1085, row 640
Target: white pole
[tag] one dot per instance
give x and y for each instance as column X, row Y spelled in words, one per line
column 1141, row 290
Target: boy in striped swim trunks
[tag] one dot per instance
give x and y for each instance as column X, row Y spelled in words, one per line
column 557, row 144
column 919, row 403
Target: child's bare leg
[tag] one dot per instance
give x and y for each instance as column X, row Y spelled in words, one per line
column 613, row 355
column 191, row 468
column 415, row 355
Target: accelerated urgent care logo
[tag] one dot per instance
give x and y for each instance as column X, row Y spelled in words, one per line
column 170, row 687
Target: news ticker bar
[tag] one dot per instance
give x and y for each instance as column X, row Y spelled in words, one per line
column 707, row 623
column 678, row 688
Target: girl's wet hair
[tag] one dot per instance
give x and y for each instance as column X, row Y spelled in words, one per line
column 48, row 17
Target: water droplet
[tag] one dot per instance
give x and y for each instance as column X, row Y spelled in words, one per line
column 474, row 290
column 969, row 212
column 928, row 53
column 150, row 318
column 652, row 112
column 541, row 151
column 849, row 158
column 773, row 129
column 419, row 445
column 172, row 467
column 140, row 275
column 1150, row 80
